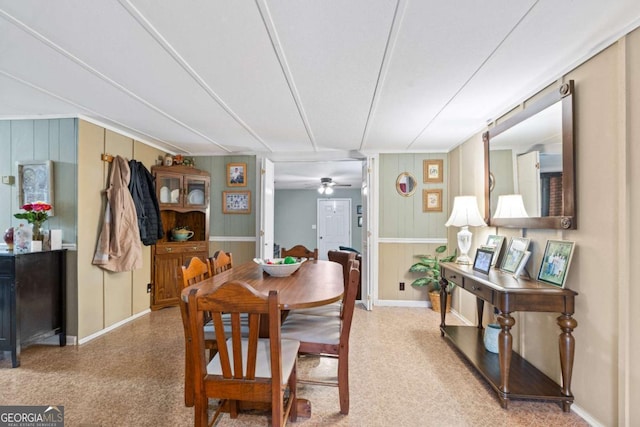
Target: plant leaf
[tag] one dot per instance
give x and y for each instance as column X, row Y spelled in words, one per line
column 441, row 249
column 423, row 281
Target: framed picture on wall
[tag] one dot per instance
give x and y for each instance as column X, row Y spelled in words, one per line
column 236, row 202
column 35, row 182
column 555, row 262
column 359, row 221
column 431, row 200
column 236, row 175
column 432, row 170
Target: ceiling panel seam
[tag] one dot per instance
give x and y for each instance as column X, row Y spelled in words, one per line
column 89, row 110
column 392, row 38
column 184, row 64
column 59, row 49
column 473, row 74
column 284, row 66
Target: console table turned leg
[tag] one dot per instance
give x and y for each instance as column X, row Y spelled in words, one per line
column 567, row 350
column 505, row 343
column 443, row 303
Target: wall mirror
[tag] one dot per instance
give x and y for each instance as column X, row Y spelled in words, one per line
column 532, row 154
column 405, row 184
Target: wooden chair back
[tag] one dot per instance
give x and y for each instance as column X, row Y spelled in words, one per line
column 237, row 372
column 299, row 251
column 195, row 271
column 320, row 335
column 221, row 261
column 343, row 258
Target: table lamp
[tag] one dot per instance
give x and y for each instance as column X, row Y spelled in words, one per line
column 465, row 213
column 510, row 206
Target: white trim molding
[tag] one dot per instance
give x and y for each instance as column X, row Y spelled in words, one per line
column 439, row 240
column 112, row 327
column 232, row 239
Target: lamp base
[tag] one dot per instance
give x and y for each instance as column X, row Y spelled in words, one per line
column 464, row 260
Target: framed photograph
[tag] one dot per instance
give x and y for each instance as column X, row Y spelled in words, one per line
column 555, row 262
column 431, row 200
column 513, row 255
column 482, row 262
column 432, row 171
column 359, row 221
column 35, row 182
column 523, row 263
column 359, row 209
column 236, row 175
column 236, row 202
column 496, row 242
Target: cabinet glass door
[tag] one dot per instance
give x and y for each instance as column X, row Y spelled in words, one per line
column 197, row 192
column 169, row 189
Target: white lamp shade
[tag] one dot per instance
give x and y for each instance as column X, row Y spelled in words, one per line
column 510, row 206
column 465, row 213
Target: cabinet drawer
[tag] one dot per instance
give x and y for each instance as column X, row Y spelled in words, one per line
column 478, row 289
column 181, row 248
column 454, row 277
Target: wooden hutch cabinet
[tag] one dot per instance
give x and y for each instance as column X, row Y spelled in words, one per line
column 183, row 196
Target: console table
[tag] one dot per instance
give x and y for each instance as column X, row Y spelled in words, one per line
column 32, row 297
column 509, row 374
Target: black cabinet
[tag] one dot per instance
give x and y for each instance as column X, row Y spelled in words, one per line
column 32, row 299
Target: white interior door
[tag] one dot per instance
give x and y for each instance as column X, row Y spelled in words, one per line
column 334, row 225
column 529, row 182
column 267, row 190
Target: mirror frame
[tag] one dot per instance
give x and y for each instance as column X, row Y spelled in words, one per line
column 568, row 218
column 415, row 184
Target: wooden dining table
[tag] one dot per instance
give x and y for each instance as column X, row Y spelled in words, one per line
column 315, row 283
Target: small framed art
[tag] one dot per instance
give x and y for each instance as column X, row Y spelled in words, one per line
column 236, row 175
column 236, row 202
column 555, row 262
column 359, row 221
column 432, row 170
column 431, row 200
column 514, row 254
column 482, row 262
column 35, row 182
column 496, row 242
column 359, row 209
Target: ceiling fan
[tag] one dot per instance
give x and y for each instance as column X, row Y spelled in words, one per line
column 327, row 184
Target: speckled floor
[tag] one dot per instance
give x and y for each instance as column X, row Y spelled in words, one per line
column 133, row 377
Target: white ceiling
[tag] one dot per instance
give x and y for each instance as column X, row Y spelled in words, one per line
column 297, row 80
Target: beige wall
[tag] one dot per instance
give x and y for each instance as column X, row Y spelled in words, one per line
column 606, row 379
column 104, row 298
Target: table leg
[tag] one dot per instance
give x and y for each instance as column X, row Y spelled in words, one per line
column 505, row 344
column 567, row 350
column 480, row 310
column 443, row 303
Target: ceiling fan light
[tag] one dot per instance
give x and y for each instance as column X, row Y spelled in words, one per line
column 328, row 190
column 321, row 190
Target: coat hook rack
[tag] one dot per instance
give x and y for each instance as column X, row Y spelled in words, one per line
column 107, row 157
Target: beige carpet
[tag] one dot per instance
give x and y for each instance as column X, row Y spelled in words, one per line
column 402, row 374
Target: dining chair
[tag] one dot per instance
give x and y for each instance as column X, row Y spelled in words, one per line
column 221, row 261
column 299, row 251
column 328, row 336
column 345, row 259
column 195, row 271
column 246, row 367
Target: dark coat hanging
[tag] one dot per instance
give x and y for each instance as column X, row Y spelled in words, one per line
column 142, row 190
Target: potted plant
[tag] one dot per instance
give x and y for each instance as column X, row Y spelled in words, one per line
column 429, row 266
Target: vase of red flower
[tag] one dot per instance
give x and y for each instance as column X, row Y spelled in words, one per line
column 36, row 213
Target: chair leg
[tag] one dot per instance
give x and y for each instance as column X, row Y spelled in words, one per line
column 343, row 381
column 293, row 394
column 201, row 411
column 233, row 408
column 188, row 378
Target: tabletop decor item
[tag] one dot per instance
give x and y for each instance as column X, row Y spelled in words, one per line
column 280, row 267
column 8, row 239
column 36, row 213
column 555, row 262
column 22, row 239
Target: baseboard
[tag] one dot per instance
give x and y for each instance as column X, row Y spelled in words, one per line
column 112, row 327
column 401, row 303
column 586, row 416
